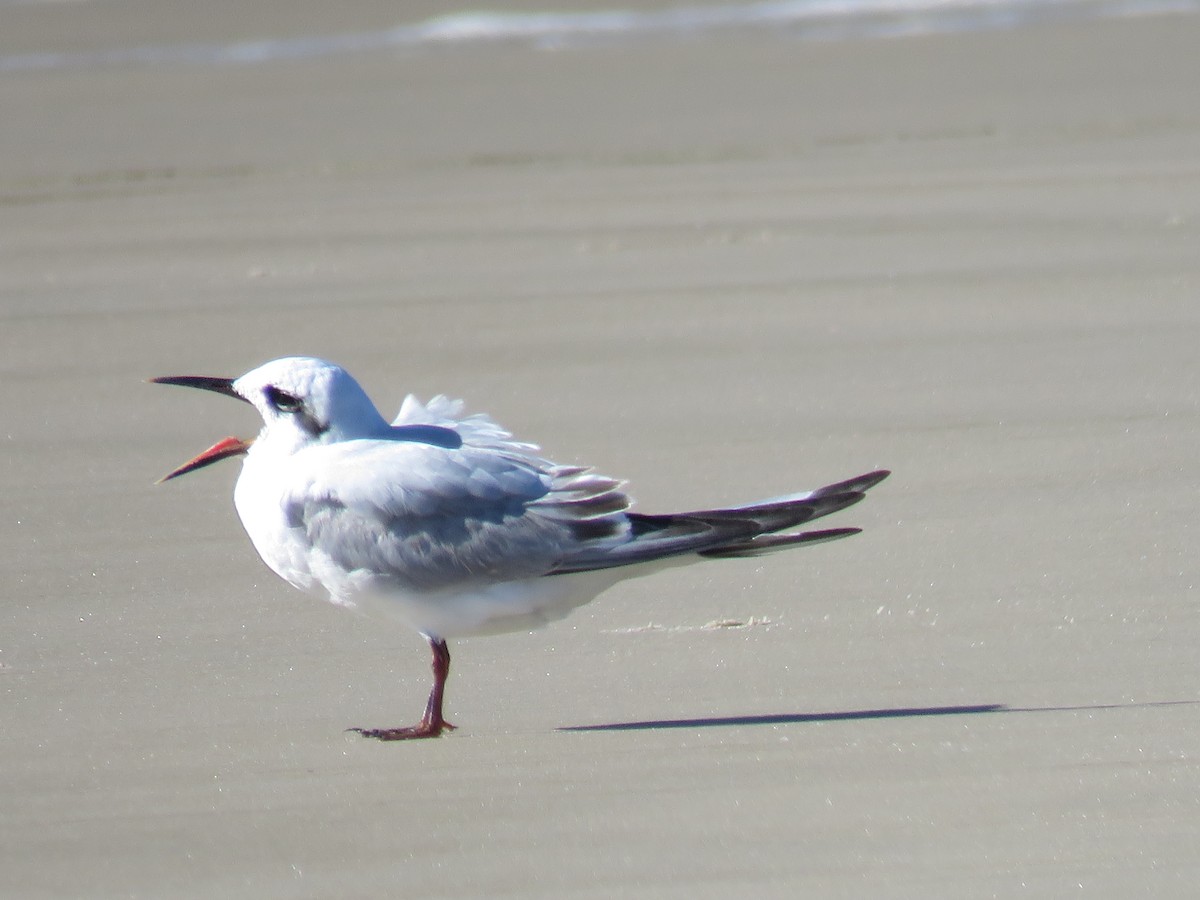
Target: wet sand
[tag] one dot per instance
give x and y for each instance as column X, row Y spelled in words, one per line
column 722, row 268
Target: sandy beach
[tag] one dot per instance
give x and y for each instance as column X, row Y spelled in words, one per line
column 723, row 267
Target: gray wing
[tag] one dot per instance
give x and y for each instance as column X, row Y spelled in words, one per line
column 426, row 517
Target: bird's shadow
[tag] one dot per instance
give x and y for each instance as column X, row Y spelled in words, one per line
column 860, row 715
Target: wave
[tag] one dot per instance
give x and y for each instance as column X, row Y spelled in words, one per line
column 804, row 19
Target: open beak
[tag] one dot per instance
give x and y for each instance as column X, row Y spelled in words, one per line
column 230, row 446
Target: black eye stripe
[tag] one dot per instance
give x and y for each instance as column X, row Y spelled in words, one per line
column 282, row 400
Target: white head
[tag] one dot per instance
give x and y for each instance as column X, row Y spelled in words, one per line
column 306, row 400
column 302, row 401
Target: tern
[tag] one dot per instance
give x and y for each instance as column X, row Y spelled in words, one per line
column 446, row 523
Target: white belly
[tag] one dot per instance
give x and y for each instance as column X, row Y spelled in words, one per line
column 486, row 609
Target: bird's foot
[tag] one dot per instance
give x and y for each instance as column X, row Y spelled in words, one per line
column 422, row 729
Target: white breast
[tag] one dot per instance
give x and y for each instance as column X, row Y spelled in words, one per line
column 258, row 499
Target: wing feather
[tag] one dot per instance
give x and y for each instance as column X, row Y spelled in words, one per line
column 735, row 531
column 425, row 517
column 428, row 516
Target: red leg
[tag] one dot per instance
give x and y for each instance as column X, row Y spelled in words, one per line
column 432, row 723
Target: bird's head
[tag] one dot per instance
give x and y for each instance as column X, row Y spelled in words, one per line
column 302, row 401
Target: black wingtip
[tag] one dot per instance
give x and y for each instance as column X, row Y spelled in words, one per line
column 767, row 543
column 857, row 485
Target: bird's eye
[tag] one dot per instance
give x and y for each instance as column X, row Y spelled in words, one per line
column 282, row 400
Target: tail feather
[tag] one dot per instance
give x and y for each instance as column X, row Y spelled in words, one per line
column 733, row 532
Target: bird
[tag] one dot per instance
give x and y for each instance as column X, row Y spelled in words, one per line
column 448, row 524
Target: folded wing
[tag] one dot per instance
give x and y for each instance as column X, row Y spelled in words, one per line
column 426, row 516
